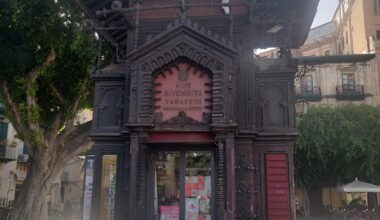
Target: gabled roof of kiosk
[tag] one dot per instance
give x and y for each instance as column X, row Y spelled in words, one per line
column 294, row 16
column 359, row 186
column 189, row 28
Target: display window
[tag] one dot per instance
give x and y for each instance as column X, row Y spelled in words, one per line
column 183, row 185
column 108, row 187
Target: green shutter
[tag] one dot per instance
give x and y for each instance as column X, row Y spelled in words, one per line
column 25, row 150
column 2, row 110
column 3, row 131
column 3, row 137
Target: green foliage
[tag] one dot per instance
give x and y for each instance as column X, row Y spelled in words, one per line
column 336, row 145
column 29, row 30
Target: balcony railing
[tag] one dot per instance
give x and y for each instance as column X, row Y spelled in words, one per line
column 350, row 92
column 309, row 95
column 8, row 153
column 5, row 202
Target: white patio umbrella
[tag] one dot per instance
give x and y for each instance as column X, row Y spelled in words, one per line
column 359, row 186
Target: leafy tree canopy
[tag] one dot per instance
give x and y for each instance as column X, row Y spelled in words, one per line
column 335, row 145
column 45, row 59
column 44, row 54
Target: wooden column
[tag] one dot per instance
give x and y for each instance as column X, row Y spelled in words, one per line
column 230, row 171
column 220, row 175
column 141, row 182
column 134, row 150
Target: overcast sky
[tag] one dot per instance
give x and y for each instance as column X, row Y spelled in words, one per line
column 325, row 11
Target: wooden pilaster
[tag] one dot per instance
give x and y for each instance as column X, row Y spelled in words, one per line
column 134, row 151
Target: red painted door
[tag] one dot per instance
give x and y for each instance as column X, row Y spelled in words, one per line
column 277, row 186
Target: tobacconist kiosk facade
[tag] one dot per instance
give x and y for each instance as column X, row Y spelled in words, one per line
column 188, row 125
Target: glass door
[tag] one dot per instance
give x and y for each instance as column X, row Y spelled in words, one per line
column 182, row 185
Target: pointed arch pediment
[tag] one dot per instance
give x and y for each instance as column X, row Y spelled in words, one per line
column 183, row 39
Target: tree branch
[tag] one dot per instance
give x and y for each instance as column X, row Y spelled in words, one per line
column 31, row 100
column 14, row 110
column 81, row 143
column 54, row 127
column 77, row 141
column 34, row 73
column 76, row 101
column 58, row 94
column 69, row 125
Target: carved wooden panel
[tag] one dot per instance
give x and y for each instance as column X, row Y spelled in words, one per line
column 109, row 104
column 244, row 186
column 188, row 40
column 133, row 93
column 274, row 105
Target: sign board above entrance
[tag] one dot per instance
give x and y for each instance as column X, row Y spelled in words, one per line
column 182, row 88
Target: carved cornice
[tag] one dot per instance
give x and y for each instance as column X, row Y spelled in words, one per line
column 110, row 71
column 195, row 27
column 181, row 122
column 195, row 31
column 274, row 66
column 182, row 118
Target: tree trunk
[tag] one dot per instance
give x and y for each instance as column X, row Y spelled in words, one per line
column 305, row 202
column 30, row 204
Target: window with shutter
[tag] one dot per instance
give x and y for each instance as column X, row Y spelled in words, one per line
column 3, row 131
column 348, row 82
column 3, row 137
column 307, row 84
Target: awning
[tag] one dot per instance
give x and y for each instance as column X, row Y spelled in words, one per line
column 359, row 186
column 353, row 58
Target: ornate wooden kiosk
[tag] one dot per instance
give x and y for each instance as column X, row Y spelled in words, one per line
column 187, row 124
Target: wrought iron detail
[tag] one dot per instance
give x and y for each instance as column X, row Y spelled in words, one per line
column 303, row 70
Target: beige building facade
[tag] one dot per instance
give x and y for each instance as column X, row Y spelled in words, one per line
column 347, row 57
column 335, row 84
column 358, row 26
column 321, row 41
column 346, row 53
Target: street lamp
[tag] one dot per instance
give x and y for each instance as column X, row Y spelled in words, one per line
column 301, row 107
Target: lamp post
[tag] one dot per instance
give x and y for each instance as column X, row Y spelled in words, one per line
column 301, row 107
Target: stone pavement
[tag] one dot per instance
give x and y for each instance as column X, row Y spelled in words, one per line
column 313, row 218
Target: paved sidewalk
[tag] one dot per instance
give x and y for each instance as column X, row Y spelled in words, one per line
column 313, row 218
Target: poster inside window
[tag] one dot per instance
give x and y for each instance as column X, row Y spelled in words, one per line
column 108, row 186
